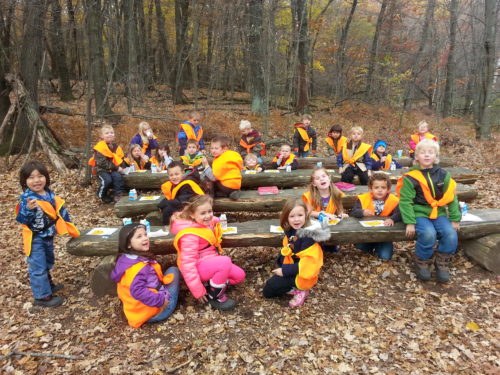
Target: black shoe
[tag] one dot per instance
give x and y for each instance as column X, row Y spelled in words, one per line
column 107, row 199
column 50, row 301
column 218, row 300
column 235, row 195
column 56, row 287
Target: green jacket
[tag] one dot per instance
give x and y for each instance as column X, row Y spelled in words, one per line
column 412, row 204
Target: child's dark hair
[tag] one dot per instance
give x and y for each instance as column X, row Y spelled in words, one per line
column 335, row 129
column 290, row 204
column 28, row 168
column 379, row 177
column 175, row 164
column 192, row 142
column 222, row 139
column 164, row 146
column 124, row 237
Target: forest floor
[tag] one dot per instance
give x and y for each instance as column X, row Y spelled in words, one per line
column 363, row 316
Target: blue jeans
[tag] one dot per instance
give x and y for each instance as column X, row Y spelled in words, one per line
column 106, row 180
column 301, row 154
column 383, row 250
column 430, row 230
column 40, row 262
column 173, row 289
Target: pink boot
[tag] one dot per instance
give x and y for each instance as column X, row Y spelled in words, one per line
column 299, row 298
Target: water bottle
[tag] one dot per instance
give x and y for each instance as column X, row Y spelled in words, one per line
column 393, row 166
column 323, row 218
column 288, row 168
column 319, row 164
column 154, row 168
column 132, row 167
column 223, row 221
column 132, row 195
column 146, row 224
column 127, row 220
column 464, row 208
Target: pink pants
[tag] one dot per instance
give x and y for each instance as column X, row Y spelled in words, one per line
column 220, row 269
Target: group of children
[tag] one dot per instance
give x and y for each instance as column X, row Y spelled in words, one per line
column 425, row 201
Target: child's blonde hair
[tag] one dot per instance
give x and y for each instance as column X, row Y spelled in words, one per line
column 249, row 157
column 142, row 126
column 105, row 127
column 194, row 114
column 245, row 124
column 357, row 129
column 428, row 143
column 195, row 202
column 307, row 116
column 131, row 149
column 423, row 122
column 290, row 204
column 335, row 192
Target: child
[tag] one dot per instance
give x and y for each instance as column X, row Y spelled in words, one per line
column 335, row 140
column 206, row 271
column 136, row 158
column 252, row 163
column 145, row 139
column 304, row 137
column 301, row 258
column 109, row 164
column 192, row 156
column 42, row 214
column 161, row 156
column 225, row 172
column 381, row 159
column 178, row 190
column 428, row 204
column 378, row 202
column 354, row 159
column 285, row 158
column 422, row 133
column 190, row 129
column 147, row 294
column 324, row 197
column 251, row 141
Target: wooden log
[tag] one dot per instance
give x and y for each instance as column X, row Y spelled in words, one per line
column 100, row 282
column 282, row 179
column 251, row 201
column 257, row 233
column 485, row 251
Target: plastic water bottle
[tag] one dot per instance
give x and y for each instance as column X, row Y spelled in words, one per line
column 132, row 195
column 319, row 164
column 127, row 220
column 223, row 221
column 288, row 168
column 154, row 168
column 146, row 224
column 323, row 218
column 393, row 166
column 132, row 168
column 464, row 208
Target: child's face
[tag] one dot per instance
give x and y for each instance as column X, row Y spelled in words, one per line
column 194, row 120
column 175, row 175
column 191, row 149
column 216, row 149
column 306, row 122
column 380, row 149
column 426, row 157
column 297, row 217
column 285, row 152
column 321, row 180
column 335, row 135
column 246, row 131
column 251, row 162
column 356, row 135
column 379, row 189
column 146, row 129
column 136, row 153
column 203, row 214
column 140, row 240
column 423, row 128
column 162, row 152
column 36, row 182
column 108, row 135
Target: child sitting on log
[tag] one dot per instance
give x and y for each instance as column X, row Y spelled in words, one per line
column 304, row 137
column 192, row 155
column 378, row 202
column 148, row 295
column 335, row 140
column 252, row 163
column 182, row 186
column 190, row 129
column 161, row 156
column 301, row 257
column 421, row 134
column 145, row 139
column 285, row 158
column 355, row 158
column 250, row 141
column 136, row 159
column 381, row 160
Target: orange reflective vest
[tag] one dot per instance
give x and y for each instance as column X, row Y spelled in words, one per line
column 390, row 204
column 330, row 209
column 186, row 160
column 136, row 312
column 159, row 163
column 249, row 147
column 305, row 137
column 227, row 169
column 310, row 263
column 102, row 147
column 388, row 160
column 62, row 226
column 290, row 160
column 257, row 166
column 448, row 196
column 362, row 149
column 190, row 132
column 416, row 138
column 212, row 236
column 342, row 141
column 138, row 166
column 170, row 191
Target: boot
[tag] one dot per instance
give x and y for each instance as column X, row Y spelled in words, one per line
column 442, row 264
column 423, row 268
column 218, row 299
column 299, row 298
column 50, row 301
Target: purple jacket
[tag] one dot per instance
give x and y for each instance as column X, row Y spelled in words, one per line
column 146, row 278
column 153, row 143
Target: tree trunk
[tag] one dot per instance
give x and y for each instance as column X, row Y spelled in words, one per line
column 132, row 71
column 5, row 30
column 299, row 18
column 374, row 51
column 256, row 57
column 163, row 44
column 341, row 79
column 450, row 66
column 195, row 49
column 75, row 54
column 181, row 49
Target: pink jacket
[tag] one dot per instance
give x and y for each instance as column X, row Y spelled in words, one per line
column 192, row 250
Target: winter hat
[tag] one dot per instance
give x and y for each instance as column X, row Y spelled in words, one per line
column 379, row 143
column 125, row 235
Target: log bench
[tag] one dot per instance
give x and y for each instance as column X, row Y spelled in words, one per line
column 250, row 200
column 282, row 179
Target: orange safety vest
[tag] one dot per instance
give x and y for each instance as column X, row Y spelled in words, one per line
column 102, row 147
column 257, row 166
column 330, row 209
column 227, row 169
column 138, row 313
column 62, row 226
column 190, row 132
column 290, row 160
column 170, row 193
column 248, row 147
column 342, row 141
column 390, row 204
column 448, row 196
column 416, row 138
column 388, row 160
column 133, row 162
column 186, row 161
column 160, row 164
column 305, row 137
column 146, row 145
column 212, row 236
column 363, row 148
column 311, row 261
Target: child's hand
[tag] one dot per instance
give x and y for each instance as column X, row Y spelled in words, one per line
column 389, row 222
column 370, row 173
column 203, row 299
column 367, row 212
column 204, row 161
column 410, row 230
column 32, row 203
column 204, row 152
column 278, row 272
column 343, row 215
column 120, row 169
column 455, row 225
column 259, row 169
column 382, row 159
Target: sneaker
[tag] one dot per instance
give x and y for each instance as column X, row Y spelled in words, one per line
column 56, row 287
column 106, row 199
column 235, row 195
column 293, row 291
column 50, row 301
column 299, row 298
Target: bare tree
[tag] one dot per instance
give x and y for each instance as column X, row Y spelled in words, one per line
column 450, row 65
column 256, row 57
column 299, row 20
column 340, row 74
column 374, row 50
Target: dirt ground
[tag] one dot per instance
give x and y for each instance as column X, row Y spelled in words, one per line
column 364, row 315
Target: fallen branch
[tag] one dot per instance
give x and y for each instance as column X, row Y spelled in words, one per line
column 32, row 354
column 174, row 369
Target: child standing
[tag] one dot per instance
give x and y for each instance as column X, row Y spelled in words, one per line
column 430, row 208
column 225, row 172
column 301, row 257
column 192, row 156
column 161, row 156
column 182, row 186
column 381, row 160
column 190, row 129
column 136, row 158
column 147, row 294
column 206, row 271
column 252, row 163
column 355, row 158
column 250, row 141
column 335, row 140
column 285, row 158
column 304, row 137
column 42, row 214
column 108, row 162
column 145, row 139
column 421, row 134
column 378, row 202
